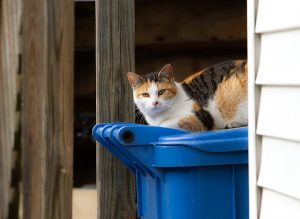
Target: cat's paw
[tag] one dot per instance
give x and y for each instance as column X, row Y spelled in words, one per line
column 234, row 125
column 169, row 124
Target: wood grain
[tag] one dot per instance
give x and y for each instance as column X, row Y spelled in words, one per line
column 114, row 58
column 9, row 67
column 47, row 113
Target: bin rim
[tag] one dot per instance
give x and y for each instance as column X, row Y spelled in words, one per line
column 227, row 140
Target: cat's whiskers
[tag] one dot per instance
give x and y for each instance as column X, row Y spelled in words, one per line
column 135, row 116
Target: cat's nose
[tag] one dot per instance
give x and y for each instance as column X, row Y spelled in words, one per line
column 154, row 103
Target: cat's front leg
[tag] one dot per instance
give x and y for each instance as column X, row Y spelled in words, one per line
column 170, row 124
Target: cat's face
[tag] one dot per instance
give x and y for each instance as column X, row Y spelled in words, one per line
column 153, row 93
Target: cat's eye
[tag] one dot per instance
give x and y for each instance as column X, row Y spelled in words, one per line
column 145, row 94
column 161, row 92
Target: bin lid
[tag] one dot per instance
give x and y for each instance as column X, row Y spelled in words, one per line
column 212, row 141
column 220, row 147
column 146, row 148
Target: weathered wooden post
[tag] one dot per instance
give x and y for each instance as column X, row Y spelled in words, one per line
column 115, row 57
column 9, row 120
column 47, row 112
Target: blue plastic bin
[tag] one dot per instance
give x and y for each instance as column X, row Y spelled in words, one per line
column 183, row 175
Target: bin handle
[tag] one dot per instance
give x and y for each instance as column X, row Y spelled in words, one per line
column 135, row 135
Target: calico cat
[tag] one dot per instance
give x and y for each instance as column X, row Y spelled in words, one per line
column 214, row 98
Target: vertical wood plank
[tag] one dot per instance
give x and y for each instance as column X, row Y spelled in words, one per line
column 114, row 58
column 47, row 113
column 9, row 67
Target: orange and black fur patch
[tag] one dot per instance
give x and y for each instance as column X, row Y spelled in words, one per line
column 225, row 82
column 191, row 123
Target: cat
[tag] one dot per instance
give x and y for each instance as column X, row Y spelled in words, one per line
column 214, row 98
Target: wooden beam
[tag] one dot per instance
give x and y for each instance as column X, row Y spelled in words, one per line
column 47, row 113
column 114, row 58
column 213, row 22
column 9, row 68
column 191, row 21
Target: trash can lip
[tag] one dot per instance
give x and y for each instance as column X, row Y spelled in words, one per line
column 152, row 148
column 219, row 141
column 207, row 135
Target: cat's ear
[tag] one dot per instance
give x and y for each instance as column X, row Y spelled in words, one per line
column 134, row 79
column 166, row 72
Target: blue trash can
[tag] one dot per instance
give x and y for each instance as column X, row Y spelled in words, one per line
column 183, row 175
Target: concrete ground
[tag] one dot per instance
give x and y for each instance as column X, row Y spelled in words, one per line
column 84, row 203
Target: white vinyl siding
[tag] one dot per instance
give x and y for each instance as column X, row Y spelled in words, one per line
column 274, row 108
column 277, row 15
column 280, row 166
column 278, row 206
column 279, row 61
column 279, row 112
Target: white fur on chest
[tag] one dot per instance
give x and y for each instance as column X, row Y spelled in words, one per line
column 181, row 108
